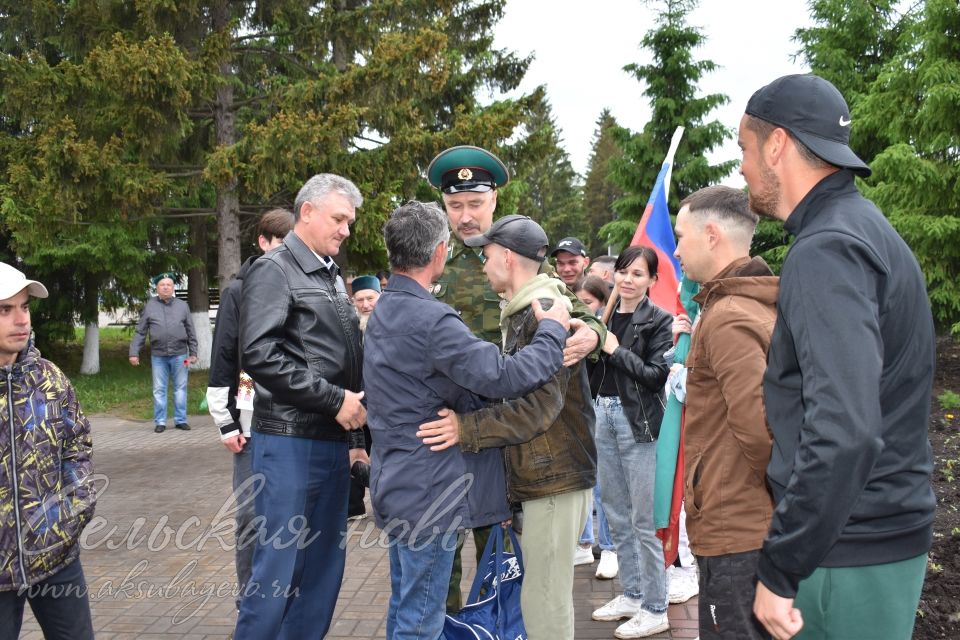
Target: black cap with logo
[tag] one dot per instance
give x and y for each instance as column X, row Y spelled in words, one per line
column 518, row 233
column 814, row 112
column 570, row 245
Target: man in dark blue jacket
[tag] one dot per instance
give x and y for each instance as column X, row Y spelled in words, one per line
column 420, row 350
column 848, row 382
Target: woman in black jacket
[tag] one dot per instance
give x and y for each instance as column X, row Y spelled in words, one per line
column 630, row 379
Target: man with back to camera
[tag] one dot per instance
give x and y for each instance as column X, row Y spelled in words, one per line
column 550, row 455
column 468, row 178
column 571, row 260
column 848, row 382
column 300, row 342
column 726, row 441
column 423, row 352
column 223, row 384
column 602, row 267
column 47, row 494
column 173, row 345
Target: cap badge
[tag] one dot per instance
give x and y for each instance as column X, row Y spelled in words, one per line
column 465, row 174
column 844, row 122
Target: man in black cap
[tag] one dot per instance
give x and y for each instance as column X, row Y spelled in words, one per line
column 468, row 178
column 548, row 434
column 571, row 260
column 848, row 382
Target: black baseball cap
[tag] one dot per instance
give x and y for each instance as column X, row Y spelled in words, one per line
column 814, row 112
column 518, row 233
column 570, row 245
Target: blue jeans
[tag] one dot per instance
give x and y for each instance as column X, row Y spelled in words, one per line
column 419, row 579
column 298, row 559
column 603, row 527
column 627, row 471
column 60, row 604
column 164, row 368
column 246, row 528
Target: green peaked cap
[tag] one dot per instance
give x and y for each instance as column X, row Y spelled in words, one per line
column 467, row 168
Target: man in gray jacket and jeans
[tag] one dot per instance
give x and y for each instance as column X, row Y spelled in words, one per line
column 173, row 345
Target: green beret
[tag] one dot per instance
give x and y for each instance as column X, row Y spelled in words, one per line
column 467, row 168
column 166, row 274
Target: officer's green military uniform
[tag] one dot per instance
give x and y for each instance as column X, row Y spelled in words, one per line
column 465, row 288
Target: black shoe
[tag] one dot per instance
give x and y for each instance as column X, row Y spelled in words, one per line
column 160, row 428
column 360, row 471
column 182, row 425
column 596, row 551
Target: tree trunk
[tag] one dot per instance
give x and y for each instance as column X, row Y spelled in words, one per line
column 228, row 203
column 89, row 315
column 198, row 292
column 91, row 349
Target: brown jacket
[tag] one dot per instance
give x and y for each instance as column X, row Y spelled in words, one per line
column 726, row 439
column 547, row 434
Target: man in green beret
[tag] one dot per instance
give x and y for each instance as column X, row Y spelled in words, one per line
column 468, row 178
column 173, row 346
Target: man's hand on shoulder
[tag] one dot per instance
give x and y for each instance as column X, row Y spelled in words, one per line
column 352, row 414
column 557, row 312
column 580, row 344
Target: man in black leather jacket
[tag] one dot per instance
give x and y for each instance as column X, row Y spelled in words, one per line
column 300, row 342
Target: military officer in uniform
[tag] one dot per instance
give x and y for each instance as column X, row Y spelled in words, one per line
column 468, row 178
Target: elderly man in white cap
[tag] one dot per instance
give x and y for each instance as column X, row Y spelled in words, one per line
column 48, row 495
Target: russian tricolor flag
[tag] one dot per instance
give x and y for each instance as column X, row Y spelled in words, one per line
column 656, row 232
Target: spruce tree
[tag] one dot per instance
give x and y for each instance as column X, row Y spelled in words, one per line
column 599, row 190
column 671, row 81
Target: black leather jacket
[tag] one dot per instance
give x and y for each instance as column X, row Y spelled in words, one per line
column 300, row 342
column 639, row 369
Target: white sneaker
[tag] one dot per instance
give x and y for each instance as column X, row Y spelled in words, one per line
column 583, row 556
column 617, row 609
column 608, row 567
column 643, row 624
column 681, row 584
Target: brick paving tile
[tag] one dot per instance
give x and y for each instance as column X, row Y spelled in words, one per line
column 159, row 555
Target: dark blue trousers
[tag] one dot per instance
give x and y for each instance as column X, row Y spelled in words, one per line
column 298, row 561
column 60, row 604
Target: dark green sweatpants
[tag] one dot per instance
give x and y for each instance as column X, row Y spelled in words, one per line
column 851, row 603
column 480, row 537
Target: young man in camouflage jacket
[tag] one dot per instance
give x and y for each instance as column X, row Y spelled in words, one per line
column 46, row 489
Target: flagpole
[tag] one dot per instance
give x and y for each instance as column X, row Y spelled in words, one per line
column 611, row 304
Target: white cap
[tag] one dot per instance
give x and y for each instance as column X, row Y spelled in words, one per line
column 12, row 282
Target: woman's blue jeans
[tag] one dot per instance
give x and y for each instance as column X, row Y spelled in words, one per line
column 626, row 468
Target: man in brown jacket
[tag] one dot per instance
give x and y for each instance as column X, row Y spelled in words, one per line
column 550, row 457
column 726, row 439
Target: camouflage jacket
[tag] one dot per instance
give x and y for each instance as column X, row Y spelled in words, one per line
column 464, row 287
column 46, row 488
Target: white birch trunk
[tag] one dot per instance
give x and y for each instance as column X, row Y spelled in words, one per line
column 201, row 323
column 91, row 349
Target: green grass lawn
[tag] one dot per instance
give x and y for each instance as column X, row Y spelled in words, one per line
column 120, row 389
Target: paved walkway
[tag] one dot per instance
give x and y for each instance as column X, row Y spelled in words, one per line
column 159, row 559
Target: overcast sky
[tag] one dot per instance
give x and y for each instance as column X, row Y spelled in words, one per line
column 580, row 50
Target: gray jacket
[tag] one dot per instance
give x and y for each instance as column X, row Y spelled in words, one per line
column 169, row 326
